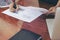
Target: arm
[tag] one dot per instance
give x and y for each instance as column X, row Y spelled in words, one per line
column 53, row 9
column 58, row 4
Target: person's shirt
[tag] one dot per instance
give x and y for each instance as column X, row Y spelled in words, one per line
column 54, row 2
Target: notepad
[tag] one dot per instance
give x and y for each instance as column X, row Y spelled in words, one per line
column 27, row 14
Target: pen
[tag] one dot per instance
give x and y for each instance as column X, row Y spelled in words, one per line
column 14, row 6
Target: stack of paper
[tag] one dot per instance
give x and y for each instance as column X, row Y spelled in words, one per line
column 27, row 14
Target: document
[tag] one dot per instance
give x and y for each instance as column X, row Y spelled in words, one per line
column 27, row 14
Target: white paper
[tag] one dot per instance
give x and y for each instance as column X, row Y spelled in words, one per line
column 27, row 14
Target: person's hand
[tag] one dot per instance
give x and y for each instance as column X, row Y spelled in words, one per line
column 52, row 10
column 13, row 9
column 17, row 1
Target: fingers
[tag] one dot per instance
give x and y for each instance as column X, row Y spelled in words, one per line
column 52, row 10
column 16, row 8
column 12, row 9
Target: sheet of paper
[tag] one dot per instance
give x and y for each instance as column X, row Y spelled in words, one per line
column 28, row 14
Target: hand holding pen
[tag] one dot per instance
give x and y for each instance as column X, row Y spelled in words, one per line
column 14, row 7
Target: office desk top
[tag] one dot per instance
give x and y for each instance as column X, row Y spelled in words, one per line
column 10, row 26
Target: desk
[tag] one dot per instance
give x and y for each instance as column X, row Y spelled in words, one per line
column 10, row 26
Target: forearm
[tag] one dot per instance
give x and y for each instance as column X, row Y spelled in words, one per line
column 58, row 4
column 17, row 1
